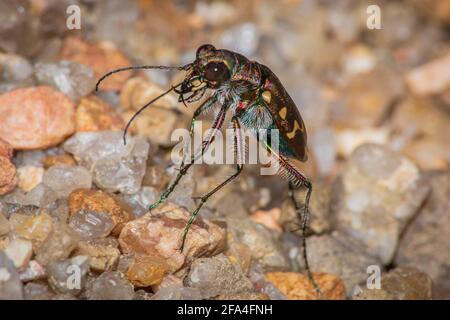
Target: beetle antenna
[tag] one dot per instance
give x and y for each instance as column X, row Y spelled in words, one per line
column 143, row 108
column 185, row 67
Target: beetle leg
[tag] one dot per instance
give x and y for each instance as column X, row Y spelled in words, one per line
column 218, row 122
column 239, row 167
column 304, row 218
column 203, row 107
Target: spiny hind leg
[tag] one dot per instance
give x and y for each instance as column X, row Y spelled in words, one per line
column 239, row 166
column 185, row 167
column 303, row 216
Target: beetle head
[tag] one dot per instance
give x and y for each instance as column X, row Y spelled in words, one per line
column 210, row 69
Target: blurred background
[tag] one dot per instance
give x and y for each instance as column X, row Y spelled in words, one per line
column 370, row 78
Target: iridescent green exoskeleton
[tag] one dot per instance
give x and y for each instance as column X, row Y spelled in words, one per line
column 256, row 99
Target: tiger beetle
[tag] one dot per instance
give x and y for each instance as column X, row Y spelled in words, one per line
column 256, row 99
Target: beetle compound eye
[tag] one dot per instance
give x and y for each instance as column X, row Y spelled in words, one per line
column 216, row 72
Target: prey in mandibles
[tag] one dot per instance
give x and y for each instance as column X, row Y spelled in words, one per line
column 256, row 99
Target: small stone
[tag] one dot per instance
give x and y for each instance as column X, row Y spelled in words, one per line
column 36, row 118
column 297, row 286
column 5, row 226
column 419, row 125
column 428, row 153
column 100, row 57
column 115, row 166
column 29, row 177
column 4, row 242
column 118, row 22
column 168, row 281
column 125, row 261
column 159, row 234
column 37, row 291
column 17, row 201
column 183, row 194
column 146, row 271
column 430, row 78
column 436, row 10
column 142, row 295
column 111, row 98
column 19, row 251
column 71, row 78
column 368, row 96
column 10, row 284
column 348, row 140
column 100, row 202
column 6, row 149
column 102, row 254
column 110, row 285
column 18, row 32
column 41, row 196
column 377, row 193
column 93, row 114
column 138, row 91
column 425, row 244
column 263, row 243
column 238, row 253
column 35, row 228
column 29, row 158
column 34, row 271
column 359, row 59
column 216, row 13
column 262, row 285
column 141, row 200
column 12, row 202
column 243, row 38
column 156, row 177
column 269, row 218
column 58, row 245
column 177, row 293
column 91, row 224
column 8, row 178
column 340, row 255
column 323, row 147
column 319, row 209
column 65, row 179
column 64, row 159
column 15, row 68
column 157, row 125
column 400, row 284
column 217, row 275
column 61, row 212
column 68, row 276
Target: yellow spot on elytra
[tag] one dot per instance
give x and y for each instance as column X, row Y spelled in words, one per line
column 283, row 113
column 291, row 134
column 196, row 82
column 267, row 96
